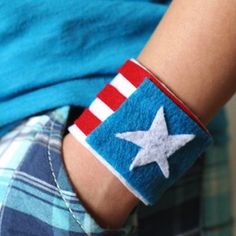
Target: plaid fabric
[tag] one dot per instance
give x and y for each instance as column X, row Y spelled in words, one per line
column 216, row 209
column 36, row 197
column 198, row 204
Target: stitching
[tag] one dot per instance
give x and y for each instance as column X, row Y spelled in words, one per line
column 121, row 230
column 57, row 185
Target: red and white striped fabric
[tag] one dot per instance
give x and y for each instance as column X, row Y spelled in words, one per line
column 110, row 98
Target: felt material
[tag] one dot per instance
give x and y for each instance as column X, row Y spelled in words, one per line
column 100, row 109
column 123, row 85
column 137, row 113
column 156, row 145
column 56, row 53
column 130, row 76
column 87, row 122
column 135, row 73
column 110, row 98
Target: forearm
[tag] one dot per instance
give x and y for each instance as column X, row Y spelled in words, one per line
column 102, row 193
column 193, row 52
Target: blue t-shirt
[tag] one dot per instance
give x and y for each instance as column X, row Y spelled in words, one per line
column 55, row 53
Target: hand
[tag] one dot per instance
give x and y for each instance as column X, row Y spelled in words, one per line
column 105, row 197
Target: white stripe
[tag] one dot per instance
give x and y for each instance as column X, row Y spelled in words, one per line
column 100, row 109
column 76, row 132
column 123, row 85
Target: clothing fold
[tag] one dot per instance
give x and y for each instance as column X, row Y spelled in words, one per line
column 55, row 53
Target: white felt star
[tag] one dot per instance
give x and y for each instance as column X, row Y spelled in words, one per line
column 156, row 144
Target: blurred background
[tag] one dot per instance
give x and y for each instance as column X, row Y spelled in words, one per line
column 231, row 110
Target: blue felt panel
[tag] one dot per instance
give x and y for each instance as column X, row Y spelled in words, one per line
column 137, row 114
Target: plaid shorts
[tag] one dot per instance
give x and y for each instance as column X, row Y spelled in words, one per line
column 37, row 198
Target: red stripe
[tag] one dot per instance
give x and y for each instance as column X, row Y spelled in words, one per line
column 87, row 122
column 111, row 97
column 136, row 74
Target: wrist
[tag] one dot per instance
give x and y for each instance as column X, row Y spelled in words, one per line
column 141, row 132
column 96, row 186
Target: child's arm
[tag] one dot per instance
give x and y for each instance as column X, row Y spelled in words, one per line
column 193, row 51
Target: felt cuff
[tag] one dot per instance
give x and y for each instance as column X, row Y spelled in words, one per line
column 141, row 132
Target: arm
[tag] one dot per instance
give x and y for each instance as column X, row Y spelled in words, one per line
column 193, row 52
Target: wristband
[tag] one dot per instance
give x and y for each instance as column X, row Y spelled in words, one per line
column 141, row 132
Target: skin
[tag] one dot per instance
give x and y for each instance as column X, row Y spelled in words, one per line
column 193, row 51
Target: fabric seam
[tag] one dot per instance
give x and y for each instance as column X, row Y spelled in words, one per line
column 55, row 180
